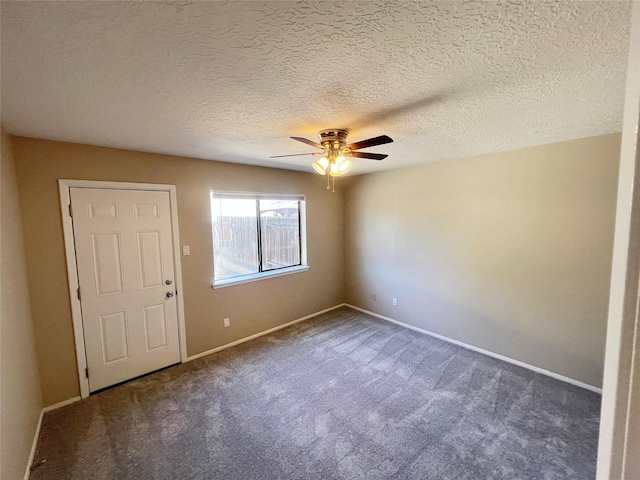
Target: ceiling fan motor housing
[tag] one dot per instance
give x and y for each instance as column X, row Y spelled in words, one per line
column 333, row 139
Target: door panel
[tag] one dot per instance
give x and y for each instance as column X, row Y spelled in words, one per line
column 104, row 210
column 113, row 337
column 107, row 263
column 149, row 211
column 150, row 259
column 155, row 327
column 124, row 256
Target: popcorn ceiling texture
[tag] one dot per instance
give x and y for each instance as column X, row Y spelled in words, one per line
column 232, row 81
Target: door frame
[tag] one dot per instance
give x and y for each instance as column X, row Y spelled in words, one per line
column 64, row 186
column 621, row 387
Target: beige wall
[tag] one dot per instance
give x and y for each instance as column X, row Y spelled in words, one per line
column 509, row 252
column 252, row 307
column 20, row 396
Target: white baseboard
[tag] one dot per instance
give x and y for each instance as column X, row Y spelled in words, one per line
column 260, row 334
column 34, row 445
column 279, row 327
column 480, row 350
column 61, row 404
column 208, row 352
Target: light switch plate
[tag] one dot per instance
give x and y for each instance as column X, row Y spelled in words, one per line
column 185, row 250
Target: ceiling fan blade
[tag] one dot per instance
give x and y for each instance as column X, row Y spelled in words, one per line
column 294, row 155
column 308, row 142
column 371, row 156
column 371, row 142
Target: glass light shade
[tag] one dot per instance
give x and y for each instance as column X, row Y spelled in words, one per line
column 339, row 159
column 321, row 165
column 345, row 166
column 338, row 169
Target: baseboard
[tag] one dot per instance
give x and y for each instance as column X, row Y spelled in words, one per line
column 480, row 350
column 61, row 404
column 260, row 334
column 203, row 354
column 34, row 445
column 280, row 327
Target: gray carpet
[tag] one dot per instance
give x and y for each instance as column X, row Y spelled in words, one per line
column 341, row 396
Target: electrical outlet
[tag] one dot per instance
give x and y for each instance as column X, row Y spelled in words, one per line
column 374, row 297
column 226, row 322
column 395, row 302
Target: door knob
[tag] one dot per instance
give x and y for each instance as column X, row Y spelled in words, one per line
column 168, row 281
column 169, row 294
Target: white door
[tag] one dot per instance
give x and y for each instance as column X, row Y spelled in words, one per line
column 124, row 256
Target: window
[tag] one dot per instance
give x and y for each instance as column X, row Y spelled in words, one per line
column 256, row 236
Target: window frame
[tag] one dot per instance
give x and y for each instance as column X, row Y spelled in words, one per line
column 274, row 272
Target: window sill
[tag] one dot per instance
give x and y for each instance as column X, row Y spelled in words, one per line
column 259, row 276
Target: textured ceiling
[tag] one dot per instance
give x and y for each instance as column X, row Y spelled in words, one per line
column 232, row 81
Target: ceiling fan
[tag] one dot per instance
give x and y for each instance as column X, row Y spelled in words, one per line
column 334, row 158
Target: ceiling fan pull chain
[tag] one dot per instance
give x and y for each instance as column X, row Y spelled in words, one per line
column 334, row 184
column 328, row 187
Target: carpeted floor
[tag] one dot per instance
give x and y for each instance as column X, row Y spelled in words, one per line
column 341, row 396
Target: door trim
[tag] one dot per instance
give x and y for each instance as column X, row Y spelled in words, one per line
column 64, row 186
column 618, row 443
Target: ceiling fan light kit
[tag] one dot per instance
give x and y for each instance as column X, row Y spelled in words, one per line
column 321, row 165
column 334, row 159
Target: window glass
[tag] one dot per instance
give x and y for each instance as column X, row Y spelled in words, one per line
column 235, row 237
column 280, row 233
column 255, row 233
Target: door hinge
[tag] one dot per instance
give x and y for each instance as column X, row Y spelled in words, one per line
column 70, row 211
column 86, row 371
column 78, row 293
